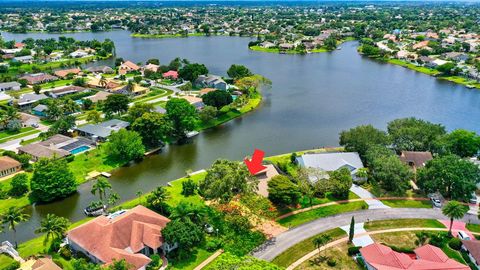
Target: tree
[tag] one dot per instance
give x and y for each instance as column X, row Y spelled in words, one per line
column 70, row 106
column 94, row 116
column 125, row 146
column 153, row 61
column 450, row 175
column 12, row 217
column 392, row 174
column 183, row 116
column 226, row 179
column 62, row 125
column 37, row 88
column 341, row 182
column 320, row 241
column 153, row 127
column 157, row 199
column 361, row 138
column 190, row 72
column 189, row 187
column 184, row 233
column 330, row 43
column 282, row 191
column 54, row 227
column 79, row 81
column 460, row 142
column 217, row 99
column 54, row 110
column 447, row 68
column 101, row 187
column 208, row 114
column 351, row 233
column 120, row 265
column 188, row 211
column 19, row 185
column 87, row 104
column 414, row 134
column 139, row 109
column 238, row 71
column 454, row 210
column 113, row 198
column 51, row 180
column 115, row 104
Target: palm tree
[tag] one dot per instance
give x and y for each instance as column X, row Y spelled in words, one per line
column 130, row 86
column 54, row 227
column 103, row 81
column 321, row 240
column 157, row 198
column 454, row 210
column 11, row 218
column 101, row 187
column 188, row 212
column 11, row 113
column 113, row 198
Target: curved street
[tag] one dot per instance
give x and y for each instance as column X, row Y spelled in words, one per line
column 275, row 246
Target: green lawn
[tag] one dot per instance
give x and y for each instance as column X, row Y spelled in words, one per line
column 411, row 66
column 304, row 217
column 473, row 227
column 92, row 160
column 136, row 35
column 53, row 84
column 5, row 261
column 5, row 133
column 300, row 249
column 461, row 80
column 19, row 135
column 402, row 223
column 154, row 94
column 407, row 204
column 197, row 256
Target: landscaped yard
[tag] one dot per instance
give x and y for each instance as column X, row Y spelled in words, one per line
column 305, row 217
column 408, row 203
column 92, row 160
column 5, row 134
column 5, row 261
column 299, row 250
column 402, row 223
column 338, row 253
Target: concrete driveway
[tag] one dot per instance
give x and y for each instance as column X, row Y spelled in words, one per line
column 275, row 246
column 365, row 194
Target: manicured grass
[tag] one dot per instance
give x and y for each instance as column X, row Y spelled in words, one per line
column 14, row 202
column 136, row 35
column 25, row 142
column 157, row 93
column 421, row 69
column 305, row 217
column 6, row 134
column 404, row 240
column 453, row 254
column 5, row 261
column 338, row 253
column 299, row 250
column 473, row 227
column 19, row 135
column 305, row 202
column 461, row 80
column 53, row 84
column 232, row 114
column 403, row 223
column 92, row 160
column 197, row 256
column 407, row 204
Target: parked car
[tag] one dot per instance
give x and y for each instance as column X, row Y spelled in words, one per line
column 473, row 199
column 436, row 202
column 463, row 235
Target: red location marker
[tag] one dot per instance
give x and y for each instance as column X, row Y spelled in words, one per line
column 255, row 164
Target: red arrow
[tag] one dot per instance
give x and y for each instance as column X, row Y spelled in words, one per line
column 255, row 164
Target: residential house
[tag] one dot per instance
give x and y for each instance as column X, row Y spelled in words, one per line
column 9, row 166
column 380, row 257
column 27, row 59
column 264, row 176
column 67, row 90
column 286, row 46
column 11, row 51
column 40, row 110
column 7, row 86
column 195, row 101
column 127, row 67
column 435, row 63
column 57, row 146
column 267, row 44
column 421, row 45
column 472, row 247
column 332, row 161
column 206, row 91
column 171, row 74
column 65, row 72
column 456, row 56
column 27, row 100
column 415, row 159
column 211, row 81
column 40, row 264
column 130, row 235
column 101, row 69
column 38, row 78
column 78, row 54
column 99, row 96
column 101, row 131
column 29, row 120
column 19, row 45
column 151, row 67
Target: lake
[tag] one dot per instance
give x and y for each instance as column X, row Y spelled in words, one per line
column 312, row 99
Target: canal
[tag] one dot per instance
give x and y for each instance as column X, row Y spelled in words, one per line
column 312, row 99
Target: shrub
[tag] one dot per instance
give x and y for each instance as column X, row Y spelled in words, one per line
column 65, row 252
column 12, row 266
column 213, row 245
column 331, row 262
column 188, row 187
column 70, row 158
column 19, row 185
column 455, row 243
column 353, row 250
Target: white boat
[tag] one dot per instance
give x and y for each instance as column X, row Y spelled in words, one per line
column 192, row 134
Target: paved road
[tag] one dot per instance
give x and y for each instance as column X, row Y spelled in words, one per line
column 12, row 145
column 272, row 248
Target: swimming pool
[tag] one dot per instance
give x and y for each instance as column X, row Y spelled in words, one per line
column 79, row 149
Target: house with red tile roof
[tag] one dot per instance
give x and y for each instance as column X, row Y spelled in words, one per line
column 132, row 235
column 171, row 74
column 428, row 257
column 472, row 247
column 65, row 72
column 127, row 67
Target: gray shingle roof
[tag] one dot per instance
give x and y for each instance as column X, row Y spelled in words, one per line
column 331, row 161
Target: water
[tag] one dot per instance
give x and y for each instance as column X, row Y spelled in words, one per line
column 312, row 99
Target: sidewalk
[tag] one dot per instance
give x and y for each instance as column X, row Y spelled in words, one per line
column 365, row 194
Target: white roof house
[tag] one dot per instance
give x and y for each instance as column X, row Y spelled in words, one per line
column 332, row 161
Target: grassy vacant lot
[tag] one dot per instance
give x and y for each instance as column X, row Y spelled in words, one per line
column 337, row 253
column 305, row 217
column 299, row 250
column 93, row 160
column 402, row 223
column 408, row 203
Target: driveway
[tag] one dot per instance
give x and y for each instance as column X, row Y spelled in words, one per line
column 362, row 239
column 365, row 194
column 275, row 246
